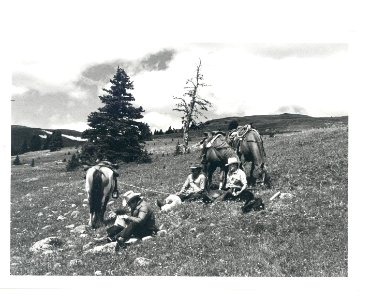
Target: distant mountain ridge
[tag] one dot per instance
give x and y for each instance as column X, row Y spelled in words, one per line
column 19, row 134
column 266, row 124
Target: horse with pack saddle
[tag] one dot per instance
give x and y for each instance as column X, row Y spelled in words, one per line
column 244, row 143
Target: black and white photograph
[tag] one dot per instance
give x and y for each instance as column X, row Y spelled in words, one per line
column 160, row 146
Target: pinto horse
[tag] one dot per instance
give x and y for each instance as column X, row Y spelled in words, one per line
column 251, row 149
column 216, row 152
column 99, row 186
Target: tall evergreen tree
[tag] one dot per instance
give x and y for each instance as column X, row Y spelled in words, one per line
column 114, row 132
column 35, row 143
column 56, row 142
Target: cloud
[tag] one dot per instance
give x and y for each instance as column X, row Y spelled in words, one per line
column 158, row 61
column 158, row 121
column 294, row 109
column 297, row 50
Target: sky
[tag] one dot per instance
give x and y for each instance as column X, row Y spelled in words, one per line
column 60, row 65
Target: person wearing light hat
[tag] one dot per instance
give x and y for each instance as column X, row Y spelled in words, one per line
column 194, row 188
column 140, row 223
column 236, row 182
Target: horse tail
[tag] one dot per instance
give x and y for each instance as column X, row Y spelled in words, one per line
column 96, row 195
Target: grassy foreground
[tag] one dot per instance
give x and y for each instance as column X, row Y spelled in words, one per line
column 302, row 234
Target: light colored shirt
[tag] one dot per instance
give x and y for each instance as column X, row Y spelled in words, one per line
column 194, row 185
column 236, row 178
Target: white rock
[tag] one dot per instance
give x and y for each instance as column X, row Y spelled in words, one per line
column 84, row 205
column 80, row 229
column 98, row 273
column 70, row 226
column 75, row 262
column 161, row 232
column 132, row 241
column 46, row 227
column 286, row 196
column 40, row 214
column 107, row 248
column 141, row 261
column 146, row 238
column 73, row 205
column 74, row 214
column 192, row 229
column 79, row 194
column 49, row 243
column 85, row 200
column 45, row 187
column 61, row 218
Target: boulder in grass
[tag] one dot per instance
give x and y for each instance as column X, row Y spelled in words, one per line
column 80, row 229
column 75, row 263
column 162, row 232
column 49, row 243
column 146, row 238
column 141, row 262
column 107, row 248
column 75, row 214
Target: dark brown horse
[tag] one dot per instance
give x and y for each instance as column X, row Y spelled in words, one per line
column 216, row 152
column 250, row 149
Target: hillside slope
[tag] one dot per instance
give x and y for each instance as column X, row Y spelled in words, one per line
column 303, row 233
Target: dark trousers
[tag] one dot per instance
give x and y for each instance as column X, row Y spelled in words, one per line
column 133, row 229
column 195, row 197
column 244, row 196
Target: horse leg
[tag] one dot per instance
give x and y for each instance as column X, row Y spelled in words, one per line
column 104, row 208
column 210, row 171
column 223, row 173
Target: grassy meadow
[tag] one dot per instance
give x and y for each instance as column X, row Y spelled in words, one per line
column 304, row 233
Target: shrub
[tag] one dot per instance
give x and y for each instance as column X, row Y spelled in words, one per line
column 73, row 163
column 178, row 149
column 17, row 161
column 145, row 158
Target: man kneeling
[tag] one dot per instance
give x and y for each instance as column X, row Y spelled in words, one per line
column 139, row 224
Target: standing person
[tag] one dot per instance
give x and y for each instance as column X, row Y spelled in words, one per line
column 194, row 188
column 236, row 182
column 139, row 224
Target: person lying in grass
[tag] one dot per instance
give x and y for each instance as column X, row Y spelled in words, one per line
column 194, row 188
column 169, row 203
column 236, row 183
column 139, row 224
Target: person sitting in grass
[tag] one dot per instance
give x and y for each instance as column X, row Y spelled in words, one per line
column 140, row 223
column 236, row 182
column 194, row 188
column 169, row 203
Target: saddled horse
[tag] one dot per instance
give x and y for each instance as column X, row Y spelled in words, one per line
column 250, row 148
column 216, row 152
column 99, row 186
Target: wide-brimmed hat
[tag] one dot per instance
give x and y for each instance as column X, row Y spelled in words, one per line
column 232, row 160
column 196, row 166
column 130, row 195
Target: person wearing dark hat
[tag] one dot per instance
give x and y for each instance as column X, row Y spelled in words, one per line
column 194, row 188
column 236, row 182
column 139, row 224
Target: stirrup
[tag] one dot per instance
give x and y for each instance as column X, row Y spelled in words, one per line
column 115, row 194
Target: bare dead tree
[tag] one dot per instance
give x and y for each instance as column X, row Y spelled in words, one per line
column 191, row 104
